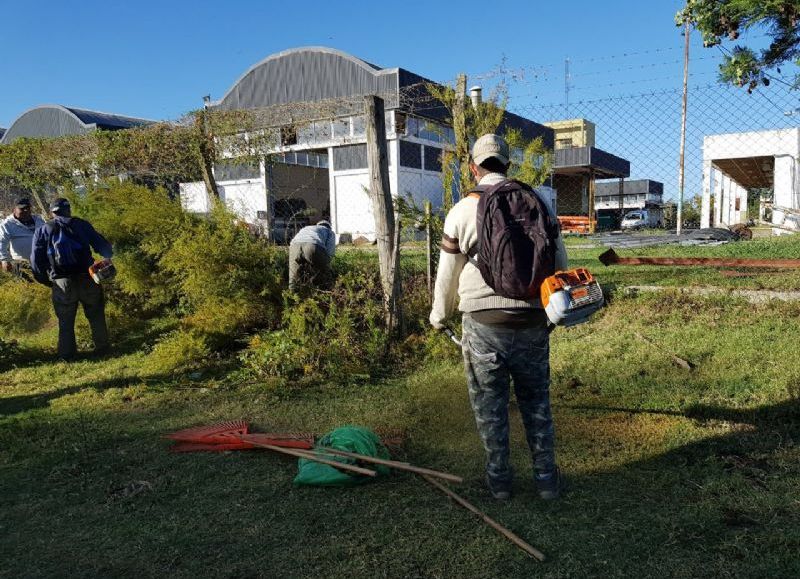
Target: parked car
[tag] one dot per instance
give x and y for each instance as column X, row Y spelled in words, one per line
column 639, row 219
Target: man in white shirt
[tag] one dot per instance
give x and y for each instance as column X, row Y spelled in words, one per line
column 16, row 236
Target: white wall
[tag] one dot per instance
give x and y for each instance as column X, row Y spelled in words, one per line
column 783, row 145
column 194, row 198
column 245, row 199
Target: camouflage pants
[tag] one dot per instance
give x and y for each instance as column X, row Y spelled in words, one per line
column 493, row 356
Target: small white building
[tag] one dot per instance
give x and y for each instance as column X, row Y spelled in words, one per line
column 735, row 163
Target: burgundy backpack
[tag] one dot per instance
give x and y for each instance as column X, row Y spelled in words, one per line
column 516, row 239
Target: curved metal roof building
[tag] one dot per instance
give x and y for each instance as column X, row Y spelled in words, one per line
column 317, row 73
column 59, row 121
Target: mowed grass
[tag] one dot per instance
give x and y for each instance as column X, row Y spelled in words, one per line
column 779, row 247
column 673, row 473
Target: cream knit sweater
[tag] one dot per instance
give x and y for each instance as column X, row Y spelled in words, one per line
column 456, row 275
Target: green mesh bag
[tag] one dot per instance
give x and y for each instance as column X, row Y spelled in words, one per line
column 352, row 439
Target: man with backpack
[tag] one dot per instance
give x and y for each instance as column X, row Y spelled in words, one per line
column 16, row 236
column 60, row 258
column 499, row 243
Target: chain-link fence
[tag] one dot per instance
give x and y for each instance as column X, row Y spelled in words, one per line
column 740, row 157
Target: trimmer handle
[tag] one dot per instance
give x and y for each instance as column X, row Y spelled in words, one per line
column 452, row 335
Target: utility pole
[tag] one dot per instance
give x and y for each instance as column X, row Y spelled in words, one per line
column 681, row 157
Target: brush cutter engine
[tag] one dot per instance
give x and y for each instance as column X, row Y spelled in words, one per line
column 102, row 271
column 571, row 297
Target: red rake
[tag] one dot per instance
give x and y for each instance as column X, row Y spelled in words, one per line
column 224, row 432
column 274, row 440
column 228, row 436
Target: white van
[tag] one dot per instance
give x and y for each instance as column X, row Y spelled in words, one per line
column 640, row 218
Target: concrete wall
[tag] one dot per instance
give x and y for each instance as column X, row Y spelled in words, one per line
column 721, row 193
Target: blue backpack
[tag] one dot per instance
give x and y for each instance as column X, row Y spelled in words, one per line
column 67, row 250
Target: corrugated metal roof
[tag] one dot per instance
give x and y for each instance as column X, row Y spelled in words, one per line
column 107, row 120
column 315, row 73
column 59, row 121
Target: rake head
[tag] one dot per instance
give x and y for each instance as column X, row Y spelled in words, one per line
column 224, row 432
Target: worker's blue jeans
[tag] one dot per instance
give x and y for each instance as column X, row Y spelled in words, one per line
column 493, row 356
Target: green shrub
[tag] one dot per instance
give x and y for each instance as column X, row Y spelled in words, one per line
column 209, row 271
column 24, row 306
column 178, row 351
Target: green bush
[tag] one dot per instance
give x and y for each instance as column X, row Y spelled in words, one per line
column 207, row 270
column 342, row 332
column 24, row 306
column 178, row 351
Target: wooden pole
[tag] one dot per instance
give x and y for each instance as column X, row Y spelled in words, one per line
column 429, row 247
column 592, row 217
column 681, row 155
column 382, row 208
column 206, row 146
column 268, row 198
column 530, row 550
column 311, row 456
column 394, row 464
column 461, row 136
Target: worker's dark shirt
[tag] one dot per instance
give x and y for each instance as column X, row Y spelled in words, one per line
column 44, row 270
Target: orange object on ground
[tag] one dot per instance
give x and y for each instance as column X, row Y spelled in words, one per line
column 575, row 223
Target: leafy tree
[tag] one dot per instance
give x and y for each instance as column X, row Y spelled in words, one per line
column 716, row 19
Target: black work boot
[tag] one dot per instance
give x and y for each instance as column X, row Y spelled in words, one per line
column 500, row 491
column 552, row 487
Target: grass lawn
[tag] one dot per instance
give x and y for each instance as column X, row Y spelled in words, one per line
column 673, row 473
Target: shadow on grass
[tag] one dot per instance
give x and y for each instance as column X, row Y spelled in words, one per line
column 17, row 404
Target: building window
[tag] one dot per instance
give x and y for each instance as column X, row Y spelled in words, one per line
column 322, row 131
column 359, row 126
column 433, row 159
column 288, row 135
column 233, row 171
column 350, row 157
column 341, row 128
column 399, row 123
column 563, row 143
column 410, row 155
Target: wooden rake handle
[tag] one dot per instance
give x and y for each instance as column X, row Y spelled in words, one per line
column 530, row 550
column 311, row 456
column 393, row 464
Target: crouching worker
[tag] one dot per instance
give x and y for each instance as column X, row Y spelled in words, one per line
column 310, row 254
column 16, row 238
column 504, row 339
column 61, row 257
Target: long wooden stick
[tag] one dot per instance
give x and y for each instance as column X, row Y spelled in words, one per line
column 394, row 464
column 532, row 551
column 312, row 456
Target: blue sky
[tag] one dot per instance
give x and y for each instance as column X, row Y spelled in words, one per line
column 157, row 59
